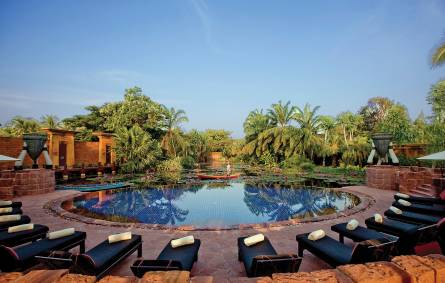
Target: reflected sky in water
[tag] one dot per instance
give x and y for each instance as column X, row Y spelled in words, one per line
column 211, row 205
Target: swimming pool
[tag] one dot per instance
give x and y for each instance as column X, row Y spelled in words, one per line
column 211, row 205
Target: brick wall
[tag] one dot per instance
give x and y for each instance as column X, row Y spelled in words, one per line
column 410, row 150
column 403, row 179
column 86, row 153
column 26, row 182
column 12, row 147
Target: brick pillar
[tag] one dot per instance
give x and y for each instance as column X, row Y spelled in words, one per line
column 381, row 177
column 6, row 185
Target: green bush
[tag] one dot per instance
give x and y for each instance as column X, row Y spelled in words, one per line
column 307, row 166
column 294, row 161
column 188, row 162
column 268, row 160
column 170, row 165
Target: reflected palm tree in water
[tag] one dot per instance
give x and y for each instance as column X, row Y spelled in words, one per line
column 285, row 203
column 143, row 205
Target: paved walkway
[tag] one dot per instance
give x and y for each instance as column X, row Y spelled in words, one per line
column 218, row 252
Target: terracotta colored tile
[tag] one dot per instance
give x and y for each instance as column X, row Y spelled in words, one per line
column 419, row 272
column 378, row 272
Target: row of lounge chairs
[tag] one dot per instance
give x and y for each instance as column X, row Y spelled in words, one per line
column 398, row 234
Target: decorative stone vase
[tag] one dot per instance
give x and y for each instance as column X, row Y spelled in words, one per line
column 35, row 144
column 381, row 143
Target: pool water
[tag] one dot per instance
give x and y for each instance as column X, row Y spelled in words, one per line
column 212, row 205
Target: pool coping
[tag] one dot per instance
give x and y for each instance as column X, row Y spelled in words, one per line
column 55, row 207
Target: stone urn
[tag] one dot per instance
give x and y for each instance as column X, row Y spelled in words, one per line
column 34, row 146
column 382, row 142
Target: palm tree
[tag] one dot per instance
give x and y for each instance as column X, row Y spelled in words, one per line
column 173, row 137
column 50, row 121
column 309, row 123
column 135, row 149
column 255, row 123
column 327, row 125
column 20, row 126
column 280, row 114
column 439, row 56
column 280, row 137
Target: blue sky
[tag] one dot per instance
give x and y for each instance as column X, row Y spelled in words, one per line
column 217, row 60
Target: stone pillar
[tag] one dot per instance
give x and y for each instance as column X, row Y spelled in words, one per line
column 34, row 182
column 381, row 177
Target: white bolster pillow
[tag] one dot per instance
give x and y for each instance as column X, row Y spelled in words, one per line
column 404, row 202
column 19, row 228
column 316, row 235
column 61, row 233
column 352, row 224
column 182, row 241
column 252, row 240
column 5, row 202
column 7, row 218
column 402, row 195
column 5, row 209
column 119, row 237
column 395, row 210
column 378, row 218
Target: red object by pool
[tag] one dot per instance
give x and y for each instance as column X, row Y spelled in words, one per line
column 217, row 177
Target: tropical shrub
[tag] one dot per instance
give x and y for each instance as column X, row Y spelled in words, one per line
column 307, row 166
column 188, row 162
column 169, row 165
column 135, row 149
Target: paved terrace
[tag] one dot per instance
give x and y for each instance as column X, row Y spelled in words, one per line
column 218, row 252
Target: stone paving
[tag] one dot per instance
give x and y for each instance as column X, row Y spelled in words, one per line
column 218, row 252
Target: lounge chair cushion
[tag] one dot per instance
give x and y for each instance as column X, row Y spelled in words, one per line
column 424, row 200
column 23, row 220
column 23, row 256
column 359, row 234
column 18, row 238
column 105, row 254
column 327, row 249
column 17, row 204
column 186, row 255
column 433, row 209
column 413, row 217
column 15, row 210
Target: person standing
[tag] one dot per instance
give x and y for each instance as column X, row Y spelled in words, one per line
column 228, row 169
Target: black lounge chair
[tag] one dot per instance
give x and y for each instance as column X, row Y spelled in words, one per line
column 23, row 220
column 405, row 240
column 414, row 234
column 413, row 217
column 336, row 253
column 22, row 237
column 180, row 258
column 261, row 259
column 16, row 204
column 433, row 209
column 423, row 200
column 98, row 260
column 15, row 210
column 22, row 257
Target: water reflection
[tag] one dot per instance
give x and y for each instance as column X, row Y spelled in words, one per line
column 223, row 204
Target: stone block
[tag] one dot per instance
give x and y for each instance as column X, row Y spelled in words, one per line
column 76, row 278
column 326, row 275
column 166, row 277
column 10, row 276
column 419, row 272
column 118, row 279
column 437, row 264
column 377, row 272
